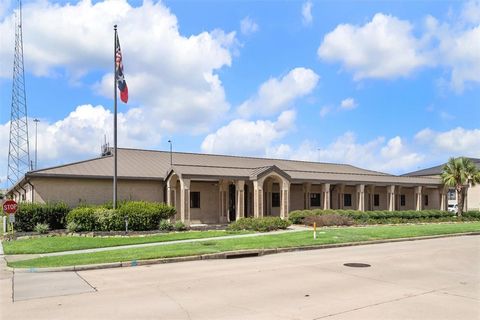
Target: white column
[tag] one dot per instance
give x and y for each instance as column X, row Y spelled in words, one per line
column 371, row 194
column 258, row 199
column 418, row 198
column 326, row 196
column 222, row 203
column 185, row 200
column 443, row 198
column 360, row 197
column 391, row 198
column 341, row 192
column 306, row 195
column 285, row 200
column 240, row 207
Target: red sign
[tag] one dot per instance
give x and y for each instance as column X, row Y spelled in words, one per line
column 10, row 206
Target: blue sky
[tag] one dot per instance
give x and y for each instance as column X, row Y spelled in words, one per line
column 386, row 85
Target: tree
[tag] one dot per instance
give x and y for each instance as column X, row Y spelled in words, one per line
column 460, row 173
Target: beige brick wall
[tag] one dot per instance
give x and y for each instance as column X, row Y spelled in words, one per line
column 209, row 202
column 94, row 191
column 473, row 199
column 296, row 197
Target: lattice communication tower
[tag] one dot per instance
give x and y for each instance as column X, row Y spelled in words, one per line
column 18, row 151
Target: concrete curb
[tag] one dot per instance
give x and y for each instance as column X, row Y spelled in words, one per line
column 230, row 254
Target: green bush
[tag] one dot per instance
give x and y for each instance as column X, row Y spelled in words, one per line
column 471, row 215
column 165, row 225
column 141, row 216
column 42, row 228
column 179, row 226
column 72, row 226
column 381, row 216
column 31, row 214
column 84, row 218
column 326, row 220
column 259, row 224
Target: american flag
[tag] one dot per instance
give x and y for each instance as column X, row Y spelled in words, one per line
column 121, row 83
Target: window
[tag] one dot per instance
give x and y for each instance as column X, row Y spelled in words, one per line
column 275, row 199
column 314, row 199
column 376, row 200
column 452, row 195
column 402, row 200
column 347, row 200
column 23, row 197
column 425, row 200
column 194, row 199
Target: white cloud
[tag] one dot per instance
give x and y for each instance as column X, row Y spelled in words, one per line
column 4, row 7
column 471, row 12
column 276, row 95
column 81, row 133
column 248, row 137
column 455, row 142
column 170, row 76
column 248, row 26
column 382, row 48
column 324, row 111
column 348, row 104
column 307, row 17
column 459, row 51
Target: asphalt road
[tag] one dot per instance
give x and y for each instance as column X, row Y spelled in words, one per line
column 427, row 279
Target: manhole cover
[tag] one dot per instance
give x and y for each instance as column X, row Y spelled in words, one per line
column 357, row 265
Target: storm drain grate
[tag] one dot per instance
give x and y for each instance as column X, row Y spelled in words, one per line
column 242, row 255
column 357, row 265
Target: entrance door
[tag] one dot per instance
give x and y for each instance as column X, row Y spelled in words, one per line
column 231, row 202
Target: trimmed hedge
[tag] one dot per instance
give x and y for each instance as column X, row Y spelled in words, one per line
column 379, row 217
column 31, row 214
column 141, row 216
column 259, row 224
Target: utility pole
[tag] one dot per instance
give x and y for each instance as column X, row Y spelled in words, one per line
column 18, row 149
column 171, row 155
column 36, row 131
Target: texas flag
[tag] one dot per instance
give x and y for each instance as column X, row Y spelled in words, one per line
column 121, row 83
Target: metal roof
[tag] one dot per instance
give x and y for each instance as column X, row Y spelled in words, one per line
column 437, row 170
column 154, row 165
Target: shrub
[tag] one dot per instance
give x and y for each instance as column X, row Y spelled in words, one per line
column 141, row 216
column 326, row 220
column 145, row 215
column 42, row 228
column 31, row 214
column 179, row 226
column 84, row 218
column 259, row 224
column 165, row 225
column 72, row 226
column 473, row 215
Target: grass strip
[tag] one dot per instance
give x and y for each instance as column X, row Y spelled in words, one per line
column 294, row 239
column 68, row 243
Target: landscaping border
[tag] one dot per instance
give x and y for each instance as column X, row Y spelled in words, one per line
column 227, row 254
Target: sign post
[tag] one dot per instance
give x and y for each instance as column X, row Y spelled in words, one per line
column 10, row 207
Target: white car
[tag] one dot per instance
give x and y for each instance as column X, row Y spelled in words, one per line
column 453, row 208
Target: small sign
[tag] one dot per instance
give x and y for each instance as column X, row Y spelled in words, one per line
column 10, row 206
column 11, row 218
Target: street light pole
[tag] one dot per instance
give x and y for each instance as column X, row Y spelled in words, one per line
column 171, row 157
column 36, row 123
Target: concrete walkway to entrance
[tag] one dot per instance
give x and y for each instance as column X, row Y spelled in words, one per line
column 17, row 257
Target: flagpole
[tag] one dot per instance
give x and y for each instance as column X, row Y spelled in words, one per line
column 114, row 119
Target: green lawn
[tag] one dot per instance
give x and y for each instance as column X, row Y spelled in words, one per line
column 67, row 243
column 294, row 239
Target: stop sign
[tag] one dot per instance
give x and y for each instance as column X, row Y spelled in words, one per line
column 10, row 206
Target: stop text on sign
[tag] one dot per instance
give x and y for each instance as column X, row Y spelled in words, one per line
column 10, row 206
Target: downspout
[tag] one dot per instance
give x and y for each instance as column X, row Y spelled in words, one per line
column 33, row 190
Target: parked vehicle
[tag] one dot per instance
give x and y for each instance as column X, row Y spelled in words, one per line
column 453, row 208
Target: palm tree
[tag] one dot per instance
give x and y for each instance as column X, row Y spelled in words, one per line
column 459, row 173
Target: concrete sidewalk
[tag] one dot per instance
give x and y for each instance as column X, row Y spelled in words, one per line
column 18, row 257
